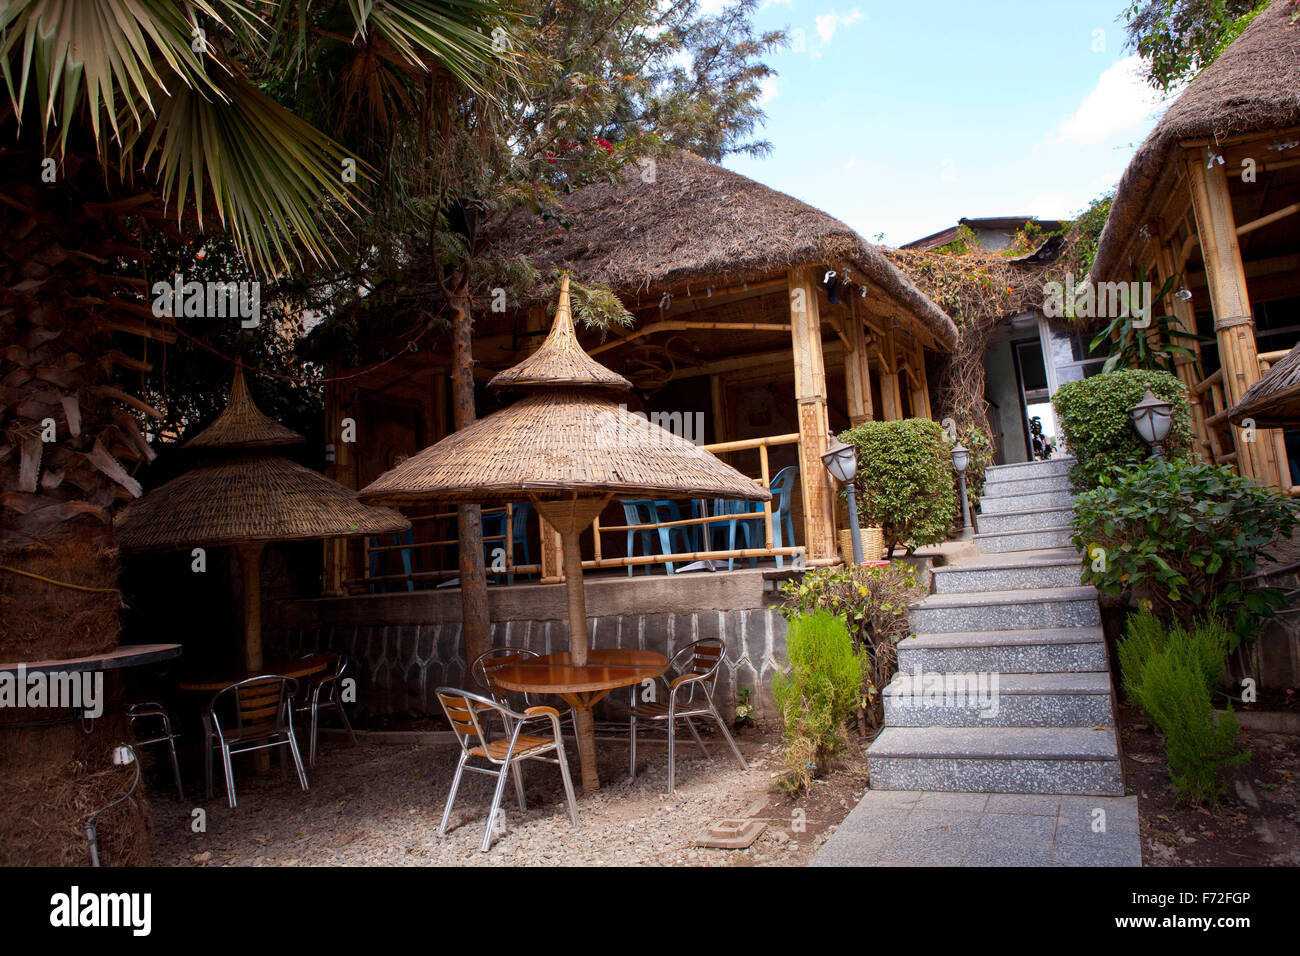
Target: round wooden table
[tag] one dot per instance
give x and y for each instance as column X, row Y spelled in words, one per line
column 302, row 667
column 580, row 686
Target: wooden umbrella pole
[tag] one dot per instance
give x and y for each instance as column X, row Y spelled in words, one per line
column 577, row 597
column 250, row 557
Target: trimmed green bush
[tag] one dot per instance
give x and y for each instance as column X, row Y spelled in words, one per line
column 904, row 483
column 1181, row 535
column 822, row 687
column 1172, row 676
column 873, row 602
column 1093, row 415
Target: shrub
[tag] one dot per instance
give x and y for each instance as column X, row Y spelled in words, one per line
column 1172, row 676
column 818, row 692
column 904, row 482
column 1182, row 534
column 1093, row 415
column 872, row 602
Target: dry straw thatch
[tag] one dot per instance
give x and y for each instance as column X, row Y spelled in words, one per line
column 250, row 497
column 242, row 424
column 696, row 222
column 567, row 436
column 1273, row 401
column 1253, row 86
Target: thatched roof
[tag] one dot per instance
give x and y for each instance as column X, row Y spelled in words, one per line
column 561, row 359
column 1273, row 401
column 242, row 424
column 698, row 222
column 248, row 497
column 560, row 439
column 1254, row 85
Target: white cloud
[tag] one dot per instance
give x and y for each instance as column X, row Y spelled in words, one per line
column 1120, row 101
column 851, row 163
column 829, row 23
column 767, row 89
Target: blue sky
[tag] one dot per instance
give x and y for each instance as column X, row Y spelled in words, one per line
column 901, row 117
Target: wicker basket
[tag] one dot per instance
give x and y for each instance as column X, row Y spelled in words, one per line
column 873, row 544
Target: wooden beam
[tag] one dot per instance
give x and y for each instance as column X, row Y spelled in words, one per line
column 857, row 371
column 814, row 423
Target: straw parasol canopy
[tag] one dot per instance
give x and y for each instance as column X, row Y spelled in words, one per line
column 1273, row 401
column 568, row 445
column 244, row 498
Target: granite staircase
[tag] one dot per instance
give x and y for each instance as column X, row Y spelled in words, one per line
column 1005, row 687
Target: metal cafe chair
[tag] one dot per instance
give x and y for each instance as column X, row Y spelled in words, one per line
column 259, row 716
column 151, row 709
column 483, row 666
column 464, row 712
column 323, row 693
column 689, row 694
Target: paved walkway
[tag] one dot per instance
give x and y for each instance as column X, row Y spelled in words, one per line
column 930, row 828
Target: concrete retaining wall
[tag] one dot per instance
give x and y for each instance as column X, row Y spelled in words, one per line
column 409, row 644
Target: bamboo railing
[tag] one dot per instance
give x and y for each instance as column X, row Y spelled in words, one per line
column 437, row 548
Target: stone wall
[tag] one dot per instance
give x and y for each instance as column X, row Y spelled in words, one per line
column 407, row 645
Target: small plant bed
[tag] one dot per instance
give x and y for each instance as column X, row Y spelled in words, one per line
column 1231, row 833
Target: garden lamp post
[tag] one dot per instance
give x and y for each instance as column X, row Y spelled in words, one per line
column 960, row 460
column 1152, row 418
column 842, row 462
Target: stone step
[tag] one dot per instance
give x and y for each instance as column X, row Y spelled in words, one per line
column 1029, row 469
column 1024, row 520
column 1013, row 570
column 993, row 699
column 1070, row 760
column 1004, row 610
column 1033, row 539
column 1045, row 650
column 1023, row 501
column 1025, row 486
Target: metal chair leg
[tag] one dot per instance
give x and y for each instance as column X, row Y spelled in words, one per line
column 568, row 782
column 230, row 777
column 451, row 794
column 727, row 734
column 672, row 751
column 690, row 725
column 315, row 723
column 496, row 802
column 343, row 714
column 297, row 759
column 518, row 774
column 631, row 746
column 176, row 766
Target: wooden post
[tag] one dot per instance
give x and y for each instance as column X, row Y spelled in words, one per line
column 334, row 550
column 1234, row 325
column 857, row 370
column 889, row 390
column 569, row 518
column 920, row 389
column 250, row 560
column 814, row 425
column 1187, row 368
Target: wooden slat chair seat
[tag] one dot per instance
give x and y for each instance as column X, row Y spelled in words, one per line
column 689, row 694
column 468, row 713
column 252, row 714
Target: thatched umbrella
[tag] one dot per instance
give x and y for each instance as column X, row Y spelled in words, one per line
column 568, row 445
column 244, row 497
column 1273, row 401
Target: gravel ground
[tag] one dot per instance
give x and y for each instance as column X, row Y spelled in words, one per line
column 380, row 804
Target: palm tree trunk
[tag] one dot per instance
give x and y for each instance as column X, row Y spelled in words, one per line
column 476, row 625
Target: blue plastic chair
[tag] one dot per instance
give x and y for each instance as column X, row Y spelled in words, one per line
column 379, row 561
column 643, row 511
column 751, row 526
column 494, row 525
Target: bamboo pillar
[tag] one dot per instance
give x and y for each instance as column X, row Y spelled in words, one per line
column 814, row 425
column 920, row 388
column 1187, row 368
column 857, row 371
column 889, row 387
column 250, row 560
column 1234, row 325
